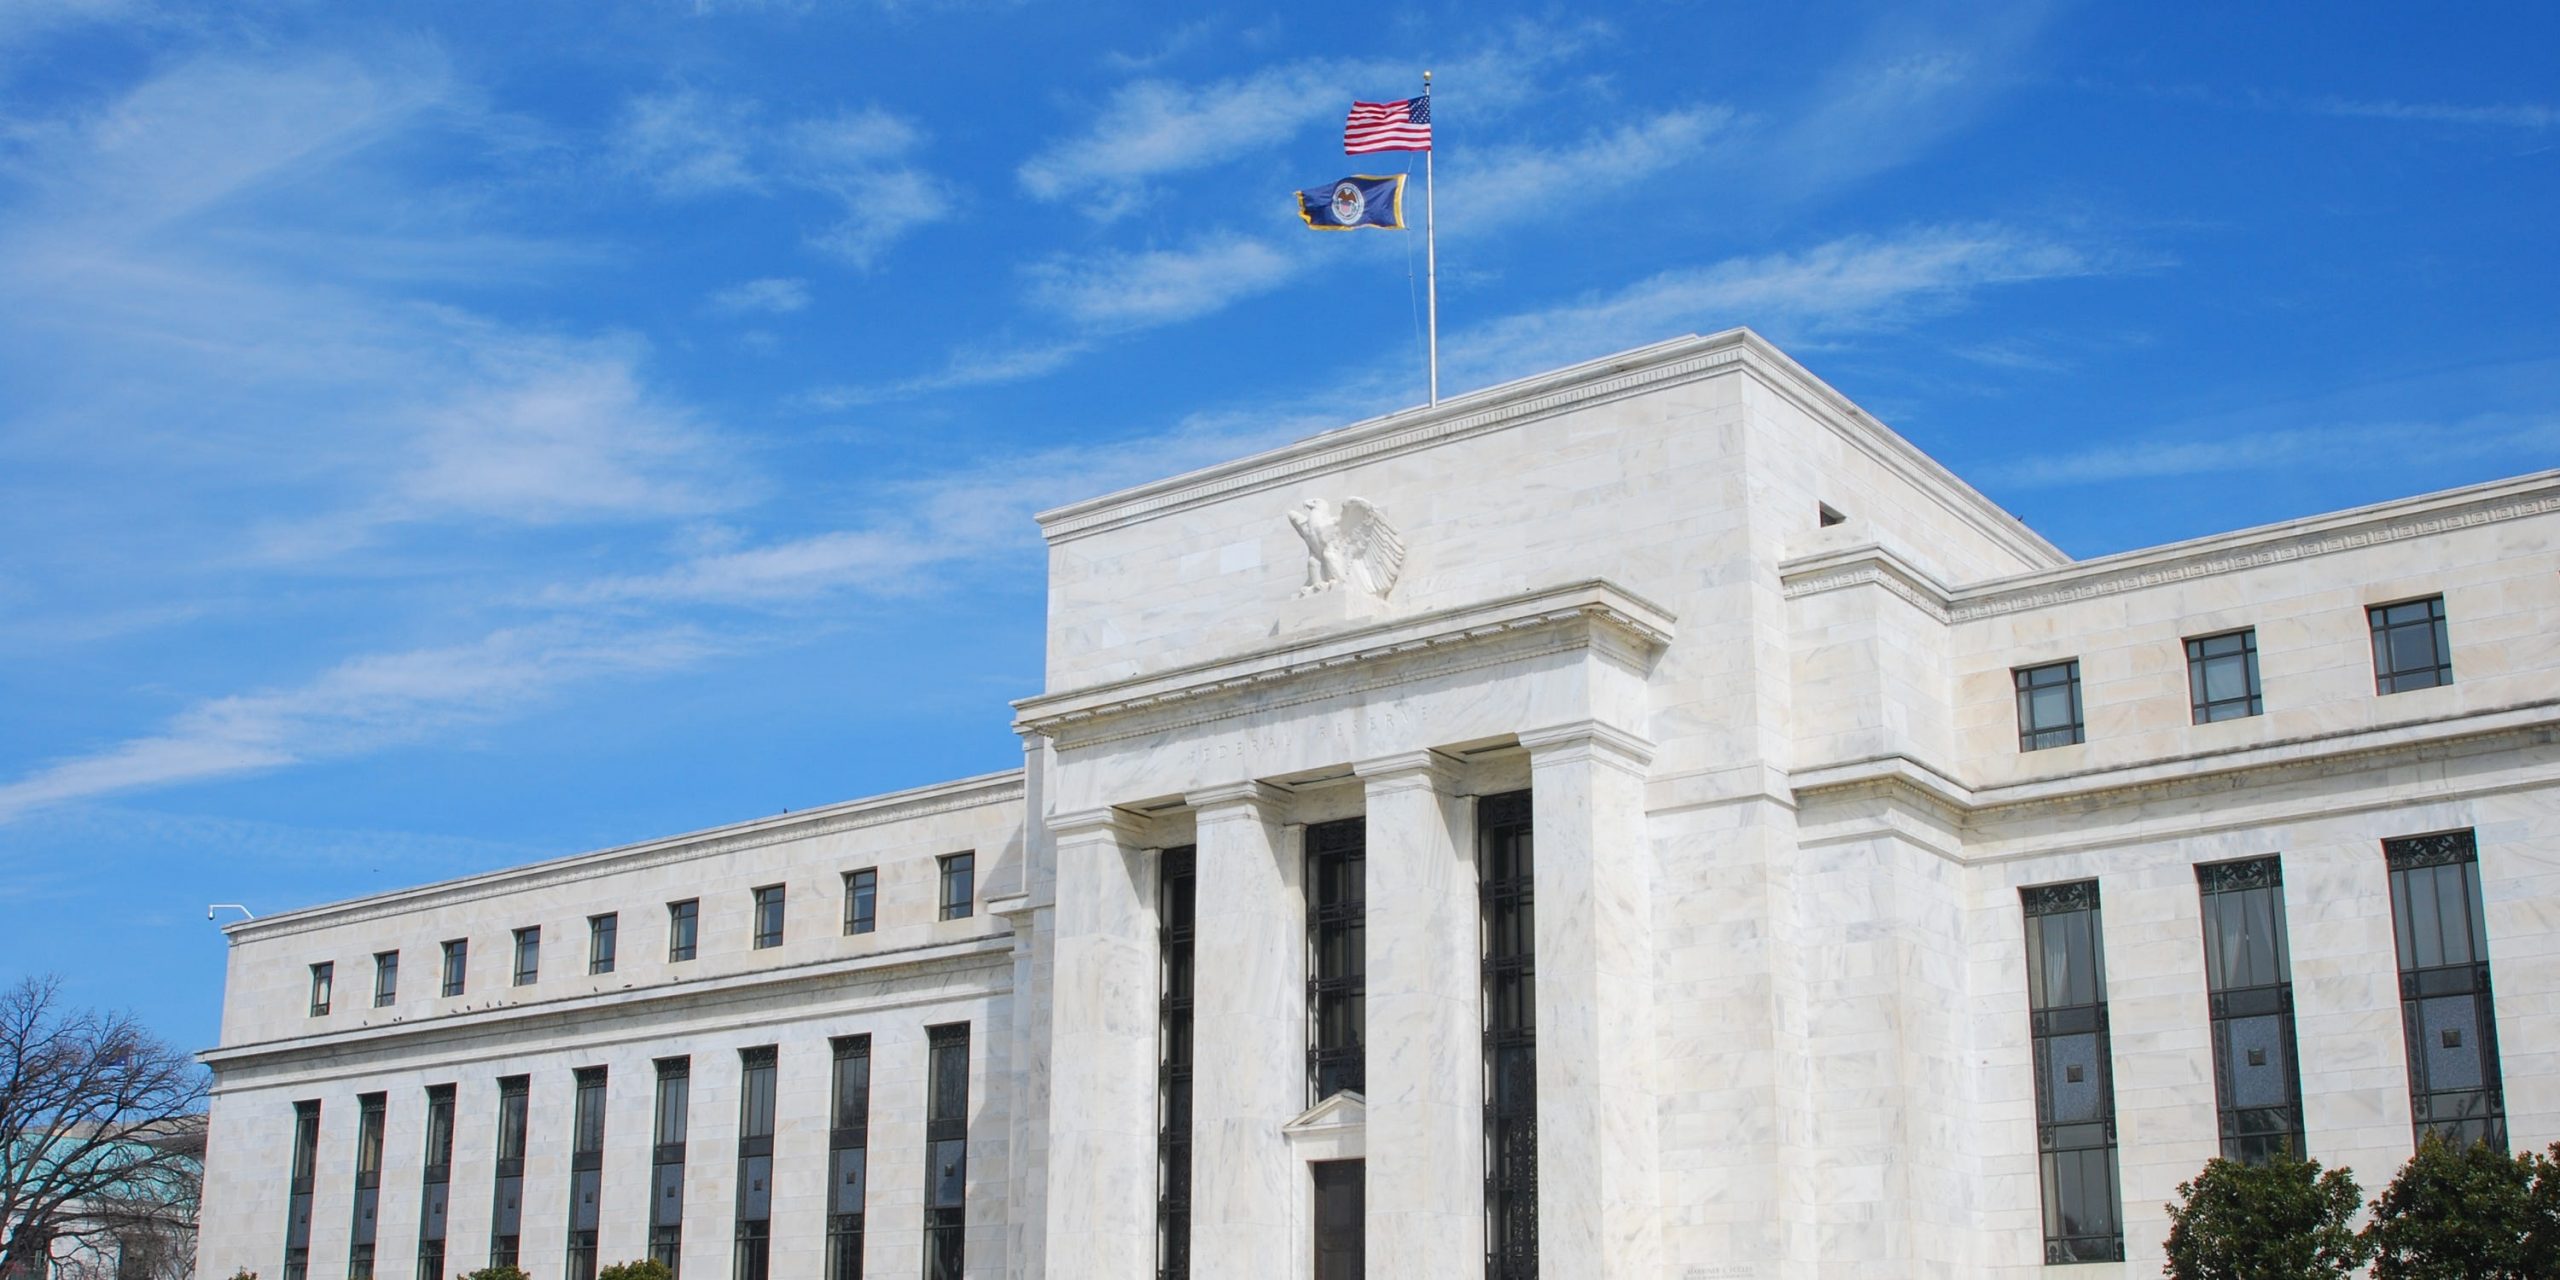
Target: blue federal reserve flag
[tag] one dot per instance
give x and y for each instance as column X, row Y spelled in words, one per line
column 1360, row 200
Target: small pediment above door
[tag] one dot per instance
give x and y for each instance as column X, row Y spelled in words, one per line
column 1344, row 1114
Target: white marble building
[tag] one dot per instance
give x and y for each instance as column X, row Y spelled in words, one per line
column 1812, row 737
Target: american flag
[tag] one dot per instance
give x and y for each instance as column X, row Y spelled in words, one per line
column 1388, row 126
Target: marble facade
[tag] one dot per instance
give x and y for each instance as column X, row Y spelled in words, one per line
column 1749, row 653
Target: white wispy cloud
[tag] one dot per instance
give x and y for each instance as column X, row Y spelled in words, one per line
column 689, row 144
column 1154, row 127
column 989, row 364
column 2513, row 115
column 360, row 705
column 1501, row 186
column 1919, row 75
column 771, row 295
column 2346, row 446
column 1125, row 290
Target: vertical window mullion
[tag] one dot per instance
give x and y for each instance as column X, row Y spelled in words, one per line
column 848, row 1156
column 2074, row 1075
column 666, row 1161
column 298, row 1190
column 2448, row 1017
column 1337, row 943
column 752, row 1257
column 370, row 1110
column 2257, row 1077
column 435, row 1182
column 1177, row 903
column 586, row 1170
column 946, row 1168
column 1506, row 866
column 506, row 1216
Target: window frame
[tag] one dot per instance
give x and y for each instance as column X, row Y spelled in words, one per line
column 386, row 978
column 2431, row 975
column 861, row 901
column 771, row 907
column 2067, row 1142
column 2033, row 734
column 604, row 942
column 324, row 987
column 2211, row 710
column 684, row 930
column 2390, row 678
column 457, row 967
column 528, row 947
column 960, row 868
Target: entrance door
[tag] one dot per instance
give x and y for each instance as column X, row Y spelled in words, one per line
column 1341, row 1217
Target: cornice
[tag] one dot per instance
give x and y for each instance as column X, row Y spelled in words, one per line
column 852, row 815
column 646, row 1002
column 1580, row 608
column 1423, row 769
column 1262, row 801
column 1592, row 739
column 1868, row 565
column 1628, row 373
column 2423, row 516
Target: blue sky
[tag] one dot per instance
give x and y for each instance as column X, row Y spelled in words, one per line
column 440, row 436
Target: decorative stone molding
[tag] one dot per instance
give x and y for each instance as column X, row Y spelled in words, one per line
column 1631, row 373
column 1108, row 822
column 922, row 802
column 1410, row 770
column 1869, row 565
column 1601, row 743
column 2383, row 523
column 1264, row 801
column 1587, row 614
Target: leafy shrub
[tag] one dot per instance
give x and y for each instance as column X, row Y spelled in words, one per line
column 2465, row 1214
column 2284, row 1220
column 640, row 1269
column 497, row 1273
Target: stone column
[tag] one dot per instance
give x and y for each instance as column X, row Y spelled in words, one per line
column 1102, row 1091
column 1249, row 1034
column 1597, row 1139
column 1425, row 1128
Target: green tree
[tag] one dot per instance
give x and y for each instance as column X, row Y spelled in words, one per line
column 2456, row 1214
column 642, row 1269
column 2284, row 1220
column 2542, row 1216
column 497, row 1273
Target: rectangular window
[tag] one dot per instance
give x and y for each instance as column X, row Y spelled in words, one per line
column 2075, row 1089
column 1506, row 870
column 666, row 1181
column 848, row 1151
column 2455, row 1085
column 586, row 1171
column 1177, row 903
column 2048, row 705
column 324, row 975
column 681, row 920
column 959, row 885
column 602, row 936
column 2410, row 650
column 752, row 1258
column 437, row 1180
column 1341, row 1218
column 298, row 1190
column 457, row 955
column 368, row 1197
column 768, row 917
column 946, row 1152
column 861, row 900
column 2222, row 676
column 1337, row 956
column 528, row 955
column 386, row 978
column 506, row 1206
column 2249, row 986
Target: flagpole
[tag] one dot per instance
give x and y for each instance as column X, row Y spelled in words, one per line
column 1431, row 251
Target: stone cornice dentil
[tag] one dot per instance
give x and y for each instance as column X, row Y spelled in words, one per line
column 986, row 790
column 1645, row 369
column 1587, row 610
column 2426, row 515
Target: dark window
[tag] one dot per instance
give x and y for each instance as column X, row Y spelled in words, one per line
column 298, row 1190
column 2410, row 650
column 528, row 955
column 2446, row 1016
column 506, row 1215
column 1177, row 902
column 2048, row 705
column 682, row 917
column 386, row 978
column 752, row 1256
column 1505, row 869
column 586, row 1171
column 602, row 940
column 324, row 975
column 457, row 956
column 2222, row 676
column 946, row 1152
column 368, row 1197
column 1341, row 1218
column 959, row 885
column 769, row 916
column 666, row 1171
column 848, row 1152
column 2075, row 1087
column 436, row 1179
column 1337, row 956
column 861, row 900
column 2249, row 984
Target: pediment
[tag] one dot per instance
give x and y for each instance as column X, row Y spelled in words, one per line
column 1344, row 1110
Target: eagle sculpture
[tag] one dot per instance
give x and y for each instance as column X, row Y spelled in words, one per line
column 1356, row 546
